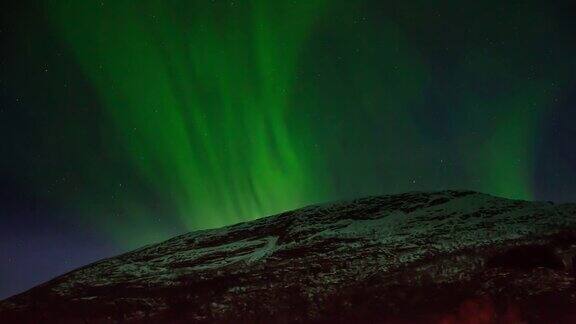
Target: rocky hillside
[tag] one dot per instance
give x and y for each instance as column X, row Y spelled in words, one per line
column 441, row 257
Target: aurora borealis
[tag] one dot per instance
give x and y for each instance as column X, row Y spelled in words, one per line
column 203, row 101
column 127, row 122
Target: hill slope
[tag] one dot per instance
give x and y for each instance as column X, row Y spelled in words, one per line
column 443, row 257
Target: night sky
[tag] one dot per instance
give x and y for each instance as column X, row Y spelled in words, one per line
column 126, row 122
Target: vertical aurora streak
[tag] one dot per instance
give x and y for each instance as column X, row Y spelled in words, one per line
column 199, row 101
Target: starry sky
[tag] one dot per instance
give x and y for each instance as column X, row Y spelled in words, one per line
column 126, row 122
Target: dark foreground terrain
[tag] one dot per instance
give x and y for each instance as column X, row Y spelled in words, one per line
column 442, row 257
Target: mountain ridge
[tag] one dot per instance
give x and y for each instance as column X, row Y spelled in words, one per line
column 313, row 264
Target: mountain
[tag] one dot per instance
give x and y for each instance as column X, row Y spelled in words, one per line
column 439, row 257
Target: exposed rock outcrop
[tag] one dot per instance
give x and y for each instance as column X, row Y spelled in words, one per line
column 441, row 257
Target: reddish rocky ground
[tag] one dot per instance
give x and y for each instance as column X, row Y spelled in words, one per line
column 442, row 257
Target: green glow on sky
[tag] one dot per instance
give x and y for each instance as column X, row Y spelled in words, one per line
column 216, row 112
column 199, row 100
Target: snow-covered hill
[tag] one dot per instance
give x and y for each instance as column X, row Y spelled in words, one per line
column 415, row 257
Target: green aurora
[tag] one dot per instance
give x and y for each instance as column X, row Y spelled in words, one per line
column 216, row 112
